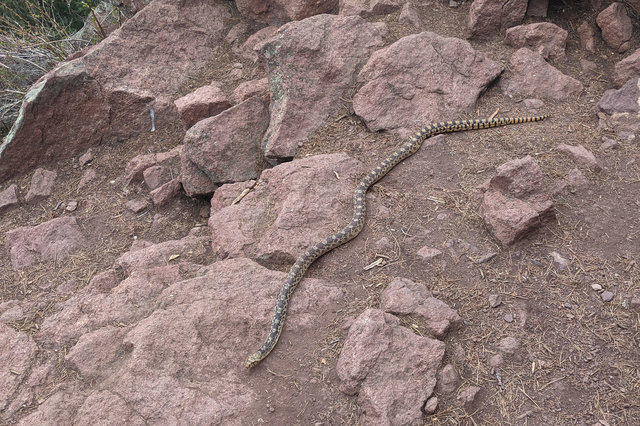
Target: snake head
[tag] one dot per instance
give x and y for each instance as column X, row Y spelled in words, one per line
column 253, row 360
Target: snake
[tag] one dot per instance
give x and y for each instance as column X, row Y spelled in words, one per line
column 353, row 228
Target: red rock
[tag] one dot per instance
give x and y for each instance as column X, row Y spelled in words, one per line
column 576, row 178
column 380, row 360
column 520, row 178
column 587, row 36
column 421, row 78
column 616, row 26
column 467, row 396
column 488, row 17
column 623, row 100
column 87, row 176
column 409, row 16
column 17, row 352
column 404, row 297
column 311, row 64
column 580, row 155
column 627, row 68
column 41, row 186
column 249, row 89
column 309, row 203
column 429, row 253
column 156, row 176
column 134, row 170
column 448, row 379
column 86, row 158
column 226, row 148
column 533, row 76
column 137, row 205
column 105, row 95
column 165, row 193
column 588, row 67
column 509, row 345
column 52, row 240
column 95, row 351
column 206, row 101
column 367, row 8
column 9, row 197
column 195, row 182
column 250, row 49
column 277, row 12
column 548, row 39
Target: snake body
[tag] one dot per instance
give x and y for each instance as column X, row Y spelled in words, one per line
column 354, row 227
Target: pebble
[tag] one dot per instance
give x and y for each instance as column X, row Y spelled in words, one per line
column 607, row 296
column 431, row 405
column 495, row 300
column 508, row 317
column 596, row 287
column 71, row 206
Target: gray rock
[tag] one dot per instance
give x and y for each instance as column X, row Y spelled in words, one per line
column 607, row 296
column 495, row 300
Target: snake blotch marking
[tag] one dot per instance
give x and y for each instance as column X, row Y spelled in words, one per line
column 357, row 222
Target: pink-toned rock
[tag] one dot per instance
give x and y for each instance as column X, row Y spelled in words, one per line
column 294, row 205
column 206, row 101
column 250, row 49
column 369, row 8
column 195, row 182
column 405, row 297
column 277, row 12
column 156, row 176
column 41, row 186
column 137, row 205
column 509, row 345
column 623, row 100
column 588, row 67
column 380, row 360
column 627, row 68
column 9, row 197
column 87, row 176
column 538, row 8
column 95, row 351
column 587, row 35
column 533, row 76
column 577, row 179
column 448, row 379
column 86, row 158
column 616, row 26
column 580, row 155
column 165, row 193
column 226, row 148
column 520, row 178
column 106, row 94
column 548, row 39
column 52, row 240
column 311, row 63
column 488, row 17
column 429, row 253
column 249, row 89
column 17, row 353
column 467, row 396
column 420, row 79
column 409, row 16
column 134, row 170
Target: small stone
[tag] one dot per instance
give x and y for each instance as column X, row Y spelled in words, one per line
column 71, row 206
column 607, row 296
column 487, row 257
column 508, row 317
column 383, row 245
column 608, row 143
column 495, row 300
column 509, row 345
column 429, row 253
column 41, row 185
column 448, row 379
column 560, row 262
column 596, row 287
column 468, row 395
column 87, row 177
column 431, row 405
column 86, row 158
column 137, row 205
column 580, row 155
column 496, row 361
column 635, row 302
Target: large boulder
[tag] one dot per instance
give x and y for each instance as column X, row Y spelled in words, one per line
column 616, row 26
column 489, row 17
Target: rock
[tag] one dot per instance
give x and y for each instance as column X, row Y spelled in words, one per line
column 495, row 300
column 635, row 303
column 560, row 262
column 134, row 170
column 488, row 17
column 17, row 352
column 627, row 68
column 156, row 176
column 623, row 100
column 52, row 240
column 576, row 179
column 545, row 38
column 165, row 193
column 105, row 95
column 608, row 144
column 496, row 361
column 311, row 63
column 96, row 350
column 137, row 205
column 367, row 9
column 87, row 176
column 420, row 78
column 588, row 67
column 580, row 155
column 293, row 206
column 431, row 406
column 596, row 287
column 86, row 158
column 206, row 101
column 71, row 206
column 520, row 178
column 428, row 253
column 448, row 379
column 616, row 26
column 508, row 317
column 277, row 12
column 41, row 186
column 249, row 89
column 9, row 197
column 533, row 76
column 509, row 345
column 379, row 361
column 225, row 148
column 587, row 36
column 538, row 8
column 405, row 297
column 251, row 47
column 468, row 396
column 410, row 16
column 607, row 296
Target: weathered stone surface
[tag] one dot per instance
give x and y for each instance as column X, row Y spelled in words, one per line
column 250, row 89
column 448, row 379
column 41, row 186
column 277, row 12
column 548, row 39
column 369, row 8
column 50, row 240
column 627, row 68
column 294, row 205
column 623, row 100
column 165, row 193
column 419, row 79
column 206, row 101
column 520, row 177
column 104, row 95
column 134, row 170
column 429, row 253
column 156, row 176
column 587, row 36
column 405, row 297
column 86, row 158
column 137, row 205
column 226, row 148
column 488, row 17
column 467, row 397
column 580, row 155
column 87, row 176
column 380, row 360
column 409, row 16
column 9, row 197
column 311, row 63
column 250, row 49
column 616, row 26
column 17, row 351
column 533, row 76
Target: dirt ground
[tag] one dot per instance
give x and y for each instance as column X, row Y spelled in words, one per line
column 580, row 356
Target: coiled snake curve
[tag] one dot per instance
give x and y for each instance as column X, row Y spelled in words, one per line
column 354, row 227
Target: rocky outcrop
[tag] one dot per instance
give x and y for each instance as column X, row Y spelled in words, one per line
column 366, row 8
column 489, row 17
column 277, row 12
column 311, row 63
column 420, row 79
column 206, row 101
column 545, row 38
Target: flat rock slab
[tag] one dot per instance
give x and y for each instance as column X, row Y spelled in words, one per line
column 311, row 63
column 422, row 78
column 52, row 240
column 392, row 369
column 105, row 94
column 293, row 206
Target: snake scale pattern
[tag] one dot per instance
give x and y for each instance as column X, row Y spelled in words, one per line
column 354, row 227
